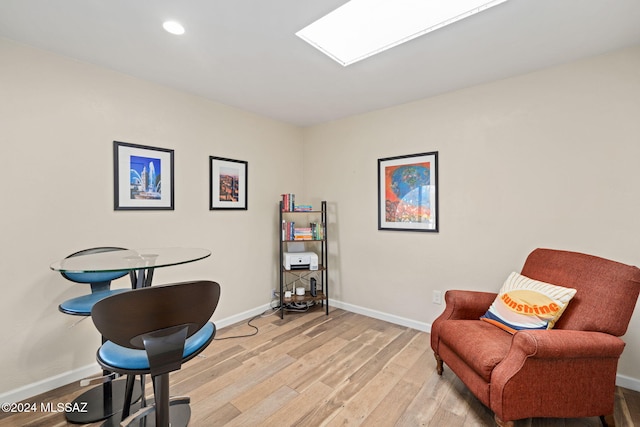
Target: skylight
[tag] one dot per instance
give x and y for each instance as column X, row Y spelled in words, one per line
column 361, row 28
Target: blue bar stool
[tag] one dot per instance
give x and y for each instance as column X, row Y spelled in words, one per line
column 154, row 331
column 107, row 399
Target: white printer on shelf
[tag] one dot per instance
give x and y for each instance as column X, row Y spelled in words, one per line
column 300, row 261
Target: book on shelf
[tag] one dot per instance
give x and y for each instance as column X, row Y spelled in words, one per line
column 315, row 231
column 289, row 204
column 302, row 233
column 288, row 230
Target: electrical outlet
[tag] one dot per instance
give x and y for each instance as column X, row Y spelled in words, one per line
column 437, row 297
column 273, row 294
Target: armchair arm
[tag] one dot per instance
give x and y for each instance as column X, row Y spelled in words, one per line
column 461, row 304
column 560, row 343
column 466, row 304
column 545, row 367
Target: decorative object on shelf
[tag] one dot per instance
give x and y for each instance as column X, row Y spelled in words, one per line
column 408, row 192
column 143, row 177
column 228, row 183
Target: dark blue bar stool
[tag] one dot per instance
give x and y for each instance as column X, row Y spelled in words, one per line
column 107, row 399
column 100, row 283
column 154, row 331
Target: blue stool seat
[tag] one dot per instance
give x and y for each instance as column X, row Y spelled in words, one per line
column 94, row 277
column 100, row 282
column 118, row 357
column 81, row 306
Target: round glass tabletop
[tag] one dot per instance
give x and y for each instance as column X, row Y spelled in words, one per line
column 130, row 259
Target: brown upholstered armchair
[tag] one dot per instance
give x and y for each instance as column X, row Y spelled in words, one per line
column 565, row 372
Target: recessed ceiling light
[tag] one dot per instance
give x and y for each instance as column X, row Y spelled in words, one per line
column 361, row 28
column 173, row 27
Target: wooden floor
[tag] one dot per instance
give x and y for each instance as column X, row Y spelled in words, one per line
column 310, row 369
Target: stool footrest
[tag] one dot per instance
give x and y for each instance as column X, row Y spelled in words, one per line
column 99, row 380
column 147, row 410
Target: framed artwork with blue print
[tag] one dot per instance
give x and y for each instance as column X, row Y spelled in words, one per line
column 143, row 177
column 408, row 192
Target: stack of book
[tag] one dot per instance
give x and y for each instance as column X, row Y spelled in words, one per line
column 289, row 204
column 302, row 233
column 287, row 230
column 315, row 231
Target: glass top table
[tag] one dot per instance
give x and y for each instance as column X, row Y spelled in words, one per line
column 108, row 399
column 140, row 262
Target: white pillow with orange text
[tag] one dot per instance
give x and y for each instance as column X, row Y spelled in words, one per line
column 524, row 303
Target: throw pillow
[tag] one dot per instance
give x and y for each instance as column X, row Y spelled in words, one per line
column 524, row 303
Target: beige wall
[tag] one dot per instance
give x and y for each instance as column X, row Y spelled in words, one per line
column 548, row 159
column 59, row 120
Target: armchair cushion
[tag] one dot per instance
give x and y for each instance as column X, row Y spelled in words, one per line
column 524, row 303
column 481, row 345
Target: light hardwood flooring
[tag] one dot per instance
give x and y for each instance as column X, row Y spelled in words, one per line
column 310, row 369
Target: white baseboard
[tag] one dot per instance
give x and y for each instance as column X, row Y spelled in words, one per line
column 48, row 384
column 227, row 321
column 65, row 378
column 391, row 318
column 628, row 382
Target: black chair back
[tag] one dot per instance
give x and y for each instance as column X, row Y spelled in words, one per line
column 124, row 318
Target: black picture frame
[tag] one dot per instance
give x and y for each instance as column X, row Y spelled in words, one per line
column 228, row 183
column 143, row 177
column 408, row 192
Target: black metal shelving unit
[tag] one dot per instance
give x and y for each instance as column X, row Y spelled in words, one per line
column 319, row 246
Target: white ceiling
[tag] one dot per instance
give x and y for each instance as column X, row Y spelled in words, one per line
column 244, row 53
